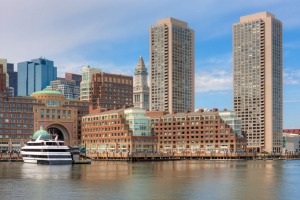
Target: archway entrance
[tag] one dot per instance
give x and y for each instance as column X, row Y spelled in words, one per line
column 60, row 130
column 55, row 131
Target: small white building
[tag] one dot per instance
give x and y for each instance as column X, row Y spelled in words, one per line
column 290, row 142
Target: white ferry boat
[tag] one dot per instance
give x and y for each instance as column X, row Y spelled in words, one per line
column 43, row 150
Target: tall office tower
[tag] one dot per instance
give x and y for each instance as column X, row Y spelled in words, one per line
column 257, row 85
column 140, row 87
column 75, row 77
column 171, row 66
column 35, row 75
column 13, row 78
column 86, row 83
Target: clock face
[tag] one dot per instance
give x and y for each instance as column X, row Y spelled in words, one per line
column 137, row 80
column 145, row 79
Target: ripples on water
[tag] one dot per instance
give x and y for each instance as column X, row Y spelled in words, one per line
column 172, row 180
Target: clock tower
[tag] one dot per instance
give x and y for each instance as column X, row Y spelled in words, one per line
column 140, row 86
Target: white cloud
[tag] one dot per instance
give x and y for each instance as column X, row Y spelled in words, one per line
column 291, row 77
column 53, row 29
column 213, row 81
column 214, row 74
column 291, row 101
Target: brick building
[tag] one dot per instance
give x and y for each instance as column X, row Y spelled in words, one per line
column 111, row 90
column 119, row 130
column 20, row 117
column 197, row 131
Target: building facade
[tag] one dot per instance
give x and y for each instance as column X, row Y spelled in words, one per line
column 67, row 87
column 2, row 78
column 86, row 83
column 3, row 63
column 257, row 80
column 201, row 131
column 20, row 117
column 35, row 75
column 140, row 87
column 171, row 66
column 111, row 90
column 290, row 143
column 73, row 77
column 119, row 130
column 13, row 79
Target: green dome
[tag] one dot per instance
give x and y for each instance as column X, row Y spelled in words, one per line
column 44, row 134
column 46, row 92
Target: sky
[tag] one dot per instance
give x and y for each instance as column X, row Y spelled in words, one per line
column 112, row 34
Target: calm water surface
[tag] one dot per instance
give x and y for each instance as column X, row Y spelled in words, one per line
column 172, row 180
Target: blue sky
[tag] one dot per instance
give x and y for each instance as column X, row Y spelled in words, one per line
column 111, row 35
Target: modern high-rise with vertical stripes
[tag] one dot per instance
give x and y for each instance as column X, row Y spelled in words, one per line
column 171, row 66
column 257, row 80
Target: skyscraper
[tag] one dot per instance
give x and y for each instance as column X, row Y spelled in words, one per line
column 140, row 87
column 171, row 66
column 13, row 78
column 35, row 75
column 257, row 74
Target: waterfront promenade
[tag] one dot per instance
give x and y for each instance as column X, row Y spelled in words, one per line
column 136, row 157
column 183, row 156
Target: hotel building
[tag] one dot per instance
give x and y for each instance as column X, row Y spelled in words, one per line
column 257, row 80
column 171, row 66
column 118, row 130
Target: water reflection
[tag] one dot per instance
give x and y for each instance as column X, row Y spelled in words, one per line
column 191, row 179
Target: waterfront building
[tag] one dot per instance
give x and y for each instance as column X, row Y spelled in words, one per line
column 119, row 130
column 201, row 131
column 257, row 80
column 290, row 143
column 73, row 77
column 67, row 87
column 86, row 83
column 35, row 75
column 171, row 66
column 20, row 117
column 292, row 131
column 140, row 87
column 111, row 90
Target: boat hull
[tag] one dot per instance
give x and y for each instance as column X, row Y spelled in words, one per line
column 48, row 162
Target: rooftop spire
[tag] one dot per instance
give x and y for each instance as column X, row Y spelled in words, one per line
column 141, row 64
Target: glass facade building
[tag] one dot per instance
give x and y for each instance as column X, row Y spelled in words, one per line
column 35, row 75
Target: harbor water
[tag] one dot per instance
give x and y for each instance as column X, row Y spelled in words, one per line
column 174, row 180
